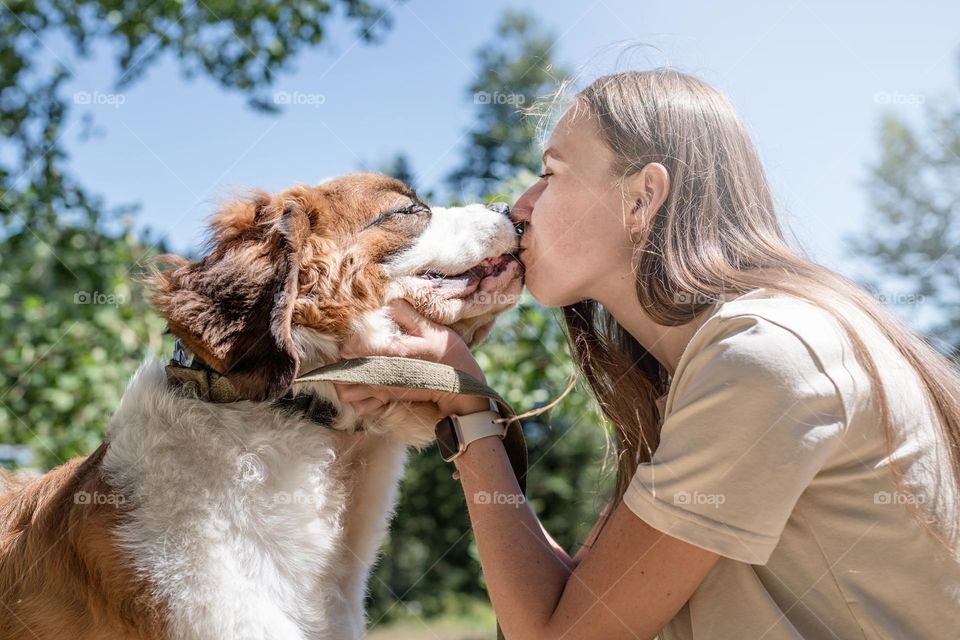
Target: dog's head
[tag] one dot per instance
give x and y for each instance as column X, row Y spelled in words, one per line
column 290, row 277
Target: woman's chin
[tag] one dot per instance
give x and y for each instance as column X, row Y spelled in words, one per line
column 548, row 298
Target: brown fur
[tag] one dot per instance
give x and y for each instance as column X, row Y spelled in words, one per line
column 274, row 260
column 60, row 574
column 279, row 260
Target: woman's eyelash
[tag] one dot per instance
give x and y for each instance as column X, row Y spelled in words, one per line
column 545, row 174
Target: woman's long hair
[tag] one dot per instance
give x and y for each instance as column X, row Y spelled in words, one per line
column 717, row 233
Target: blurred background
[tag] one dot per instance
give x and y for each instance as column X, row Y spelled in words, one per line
column 123, row 123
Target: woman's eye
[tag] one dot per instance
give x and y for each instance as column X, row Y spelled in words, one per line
column 545, row 175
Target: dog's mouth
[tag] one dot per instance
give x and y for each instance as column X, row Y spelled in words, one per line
column 488, row 275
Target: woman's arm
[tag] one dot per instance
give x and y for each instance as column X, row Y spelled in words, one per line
column 628, row 585
column 558, row 551
column 592, row 537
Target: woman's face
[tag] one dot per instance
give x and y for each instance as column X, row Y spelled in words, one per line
column 574, row 238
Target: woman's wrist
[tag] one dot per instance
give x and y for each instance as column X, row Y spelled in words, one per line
column 478, row 454
column 464, row 405
column 461, row 358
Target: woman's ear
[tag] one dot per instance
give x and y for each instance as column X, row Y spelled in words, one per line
column 646, row 191
column 234, row 307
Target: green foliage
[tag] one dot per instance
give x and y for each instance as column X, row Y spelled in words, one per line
column 76, row 325
column 513, row 70
column 239, row 45
column 431, row 552
column 74, row 322
column 914, row 235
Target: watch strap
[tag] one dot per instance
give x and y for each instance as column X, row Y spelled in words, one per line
column 474, row 426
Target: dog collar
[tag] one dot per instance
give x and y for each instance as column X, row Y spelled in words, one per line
column 187, row 370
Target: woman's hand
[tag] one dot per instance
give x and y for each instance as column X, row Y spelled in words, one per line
column 424, row 340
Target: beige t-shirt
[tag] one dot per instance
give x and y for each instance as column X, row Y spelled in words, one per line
column 772, row 455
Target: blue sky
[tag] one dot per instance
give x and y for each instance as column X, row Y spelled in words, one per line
column 810, row 78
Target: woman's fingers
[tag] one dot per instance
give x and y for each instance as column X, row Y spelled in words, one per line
column 353, row 392
column 409, row 319
column 405, row 345
column 357, row 393
column 368, row 406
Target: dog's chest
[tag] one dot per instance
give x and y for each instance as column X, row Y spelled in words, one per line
column 241, row 521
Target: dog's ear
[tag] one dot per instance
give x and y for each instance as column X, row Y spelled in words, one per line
column 234, row 307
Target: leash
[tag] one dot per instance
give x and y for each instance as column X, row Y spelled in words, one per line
column 410, row 373
column 211, row 386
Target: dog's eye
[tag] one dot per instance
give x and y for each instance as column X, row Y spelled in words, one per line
column 412, row 208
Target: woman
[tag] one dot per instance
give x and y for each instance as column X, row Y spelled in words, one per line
column 787, row 460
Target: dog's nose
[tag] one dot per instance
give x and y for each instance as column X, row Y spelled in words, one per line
column 499, row 207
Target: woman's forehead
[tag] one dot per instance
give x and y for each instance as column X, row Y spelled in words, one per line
column 575, row 139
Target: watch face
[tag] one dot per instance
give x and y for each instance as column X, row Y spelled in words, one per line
column 447, row 440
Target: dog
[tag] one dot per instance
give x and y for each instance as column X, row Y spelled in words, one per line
column 236, row 520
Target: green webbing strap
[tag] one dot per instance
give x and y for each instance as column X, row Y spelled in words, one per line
column 411, row 373
column 420, row 374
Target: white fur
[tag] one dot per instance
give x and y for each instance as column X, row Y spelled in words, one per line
column 456, row 239
column 375, row 328
column 314, row 346
column 248, row 522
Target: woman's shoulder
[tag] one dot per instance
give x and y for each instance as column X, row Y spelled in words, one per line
column 785, row 339
column 777, row 338
column 763, row 320
column 813, row 324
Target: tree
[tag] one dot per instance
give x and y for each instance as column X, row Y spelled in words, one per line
column 913, row 238
column 74, row 323
column 514, row 69
column 430, row 562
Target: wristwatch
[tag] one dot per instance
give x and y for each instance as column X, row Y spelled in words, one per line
column 455, row 432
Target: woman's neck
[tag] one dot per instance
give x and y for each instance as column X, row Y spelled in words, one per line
column 665, row 343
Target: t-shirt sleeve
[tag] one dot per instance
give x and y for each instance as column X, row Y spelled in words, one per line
column 754, row 417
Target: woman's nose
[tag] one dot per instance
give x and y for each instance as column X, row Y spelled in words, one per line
column 520, row 214
column 523, row 207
